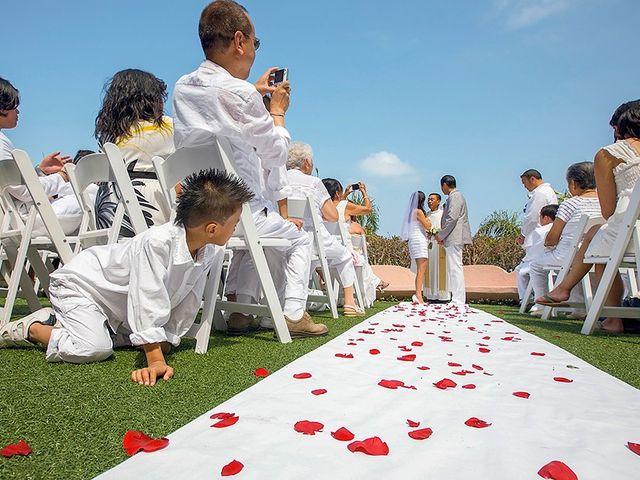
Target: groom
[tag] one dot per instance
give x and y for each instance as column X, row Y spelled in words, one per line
column 454, row 235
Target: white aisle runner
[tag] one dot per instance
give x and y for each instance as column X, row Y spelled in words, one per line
column 585, row 423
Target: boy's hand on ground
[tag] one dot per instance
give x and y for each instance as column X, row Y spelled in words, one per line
column 148, row 375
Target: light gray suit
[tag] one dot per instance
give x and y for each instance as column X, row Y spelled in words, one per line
column 455, row 233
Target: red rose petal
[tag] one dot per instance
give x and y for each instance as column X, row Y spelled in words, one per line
column 397, row 325
column 477, row 367
column 486, row 338
column 407, row 358
column 483, row 350
column 226, row 422
column 222, row 415
column 392, row 384
column 319, row 391
column 261, row 372
column 521, row 394
column 461, row 372
column 445, row 383
column 557, row 470
column 423, row 367
column 562, row 379
column 374, row 351
column 538, row 354
column 634, row 447
column 454, row 364
column 417, row 344
column 412, row 423
column 421, row 434
column 469, row 386
column 232, row 468
column 344, row 355
column 135, row 441
column 308, row 428
column 476, row 423
column 18, row 448
column 343, row 435
column 352, row 344
column 302, row 375
column 370, row 446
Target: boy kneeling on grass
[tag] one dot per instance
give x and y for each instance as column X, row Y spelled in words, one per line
column 145, row 292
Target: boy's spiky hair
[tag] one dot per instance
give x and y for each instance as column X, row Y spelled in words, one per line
column 210, row 196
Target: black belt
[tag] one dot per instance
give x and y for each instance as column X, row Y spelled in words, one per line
column 133, row 175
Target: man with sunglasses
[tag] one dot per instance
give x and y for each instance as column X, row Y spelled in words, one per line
column 217, row 101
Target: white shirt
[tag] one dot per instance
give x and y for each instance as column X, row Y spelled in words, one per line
column 5, row 147
column 435, row 217
column 210, row 101
column 541, row 196
column 303, row 185
column 148, row 287
column 535, row 248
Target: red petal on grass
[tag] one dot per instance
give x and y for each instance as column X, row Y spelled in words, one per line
column 416, row 343
column 261, row 372
column 521, row 394
column 421, row 434
column 135, row 441
column 454, row 364
column 477, row 367
column 562, row 380
column 343, row 435
column 308, row 428
column 344, row 355
column 302, row 375
column 226, row 422
column 538, row 354
column 392, row 384
column 423, row 367
column 370, row 446
column 374, row 351
column 407, row 358
column 232, row 468
column 469, row 386
column 445, row 383
column 476, row 423
column 18, row 448
column 412, row 423
column 222, row 415
column 483, row 350
column 634, row 447
column 557, row 470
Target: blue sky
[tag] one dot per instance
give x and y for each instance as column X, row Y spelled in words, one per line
column 392, row 93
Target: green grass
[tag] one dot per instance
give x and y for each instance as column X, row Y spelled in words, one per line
column 74, row 416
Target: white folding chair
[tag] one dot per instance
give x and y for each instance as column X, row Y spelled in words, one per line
column 584, row 225
column 305, row 209
column 173, row 170
column 107, row 167
column 339, row 230
column 628, row 237
column 19, row 243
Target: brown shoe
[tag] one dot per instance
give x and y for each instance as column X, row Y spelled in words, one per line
column 305, row 327
column 239, row 324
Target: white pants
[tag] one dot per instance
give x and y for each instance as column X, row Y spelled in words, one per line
column 455, row 273
column 338, row 257
column 289, row 266
column 522, row 272
column 81, row 335
column 540, row 278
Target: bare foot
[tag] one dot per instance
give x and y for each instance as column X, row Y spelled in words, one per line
column 612, row 325
column 557, row 295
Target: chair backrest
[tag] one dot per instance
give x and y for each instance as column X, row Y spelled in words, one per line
column 41, row 202
column 584, row 225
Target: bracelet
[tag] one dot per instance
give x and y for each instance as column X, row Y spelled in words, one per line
column 276, row 114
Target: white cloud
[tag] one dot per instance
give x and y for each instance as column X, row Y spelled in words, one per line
column 518, row 14
column 385, row 164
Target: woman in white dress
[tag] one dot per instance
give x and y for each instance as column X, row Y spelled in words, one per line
column 414, row 229
column 617, row 169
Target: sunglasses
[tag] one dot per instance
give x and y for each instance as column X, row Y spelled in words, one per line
column 256, row 41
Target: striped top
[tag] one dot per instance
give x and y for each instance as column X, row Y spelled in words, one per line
column 570, row 212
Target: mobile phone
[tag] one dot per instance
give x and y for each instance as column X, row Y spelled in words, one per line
column 280, row 76
column 355, row 186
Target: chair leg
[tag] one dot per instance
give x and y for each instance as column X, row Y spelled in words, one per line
column 524, row 306
column 210, row 297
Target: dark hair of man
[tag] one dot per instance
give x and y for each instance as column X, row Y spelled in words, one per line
column 582, row 174
column 549, row 211
column 532, row 172
column 421, row 198
column 437, row 195
column 629, row 121
column 131, row 96
column 219, row 22
column 9, row 96
column 80, row 154
column 449, row 181
column 210, row 196
column 333, row 186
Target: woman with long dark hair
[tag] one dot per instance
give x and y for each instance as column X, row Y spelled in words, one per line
column 414, row 229
column 132, row 117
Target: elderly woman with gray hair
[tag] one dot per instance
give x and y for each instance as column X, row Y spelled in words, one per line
column 581, row 183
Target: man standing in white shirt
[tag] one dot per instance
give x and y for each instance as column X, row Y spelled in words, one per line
column 216, row 100
column 540, row 194
column 435, row 212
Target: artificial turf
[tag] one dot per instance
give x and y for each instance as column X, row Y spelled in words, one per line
column 74, row 416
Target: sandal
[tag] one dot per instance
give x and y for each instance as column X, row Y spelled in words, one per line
column 352, row 311
column 550, row 302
